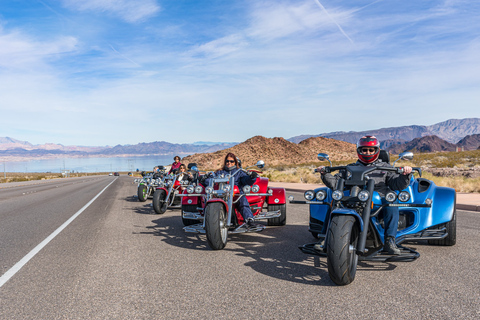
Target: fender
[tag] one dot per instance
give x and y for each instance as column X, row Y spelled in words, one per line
column 443, row 205
column 349, row 212
column 278, row 196
column 225, row 205
column 162, row 188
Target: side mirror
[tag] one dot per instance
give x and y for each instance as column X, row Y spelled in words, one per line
column 324, row 157
column 260, row 164
column 194, row 168
column 406, row 155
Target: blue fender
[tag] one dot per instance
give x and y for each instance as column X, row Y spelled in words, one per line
column 349, row 212
column 443, row 205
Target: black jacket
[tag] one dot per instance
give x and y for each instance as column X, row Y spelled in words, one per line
column 385, row 181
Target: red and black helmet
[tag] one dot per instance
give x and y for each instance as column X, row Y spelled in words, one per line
column 370, row 142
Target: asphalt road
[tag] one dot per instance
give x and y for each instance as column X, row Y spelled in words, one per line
column 116, row 260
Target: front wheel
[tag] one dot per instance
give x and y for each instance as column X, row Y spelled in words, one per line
column 158, row 202
column 216, row 225
column 142, row 193
column 279, row 221
column 342, row 241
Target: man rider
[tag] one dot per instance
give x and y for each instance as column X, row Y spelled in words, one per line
column 368, row 150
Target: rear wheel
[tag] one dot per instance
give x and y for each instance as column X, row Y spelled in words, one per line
column 142, row 193
column 216, row 225
column 189, row 208
column 451, row 238
column 280, row 221
column 342, row 241
column 159, row 203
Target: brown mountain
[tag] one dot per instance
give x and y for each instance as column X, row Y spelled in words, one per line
column 471, row 142
column 276, row 151
column 424, row 144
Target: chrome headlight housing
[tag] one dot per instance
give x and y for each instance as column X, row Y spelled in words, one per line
column 270, row 191
column 391, row 196
column 160, row 184
column 404, row 196
column 321, row 195
column 198, row 189
column 363, row 195
column 247, row 189
column 190, row 189
column 255, row 188
column 337, row 195
column 309, row 195
column 226, row 188
column 209, row 190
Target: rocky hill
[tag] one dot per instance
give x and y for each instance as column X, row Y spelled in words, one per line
column 424, row 144
column 451, row 130
column 471, row 142
column 276, row 151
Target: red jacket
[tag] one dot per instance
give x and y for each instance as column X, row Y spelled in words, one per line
column 175, row 165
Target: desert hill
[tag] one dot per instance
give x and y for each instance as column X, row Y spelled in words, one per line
column 276, row 151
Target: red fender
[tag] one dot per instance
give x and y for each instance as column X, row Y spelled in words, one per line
column 278, row 196
column 225, row 205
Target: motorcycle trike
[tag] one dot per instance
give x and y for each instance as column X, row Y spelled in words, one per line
column 167, row 192
column 147, row 184
column 211, row 209
column 348, row 220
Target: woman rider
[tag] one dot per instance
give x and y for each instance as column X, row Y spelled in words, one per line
column 231, row 166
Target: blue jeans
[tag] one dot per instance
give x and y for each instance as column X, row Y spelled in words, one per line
column 244, row 208
column 390, row 219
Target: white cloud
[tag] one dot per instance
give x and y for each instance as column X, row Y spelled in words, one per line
column 128, row 10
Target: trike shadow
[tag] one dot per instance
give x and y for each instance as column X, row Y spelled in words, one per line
column 273, row 252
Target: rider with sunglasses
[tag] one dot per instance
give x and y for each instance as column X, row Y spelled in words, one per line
column 368, row 151
column 231, row 166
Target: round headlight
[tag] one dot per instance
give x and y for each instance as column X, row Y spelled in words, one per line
column 309, row 194
column 363, row 195
column 226, row 188
column 255, row 188
column 337, row 195
column 209, row 190
column 391, row 196
column 321, row 195
column 160, row 184
column 190, row 189
column 404, row 196
column 247, row 189
column 198, row 189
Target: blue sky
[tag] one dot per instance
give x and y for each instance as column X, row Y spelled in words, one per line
column 108, row 72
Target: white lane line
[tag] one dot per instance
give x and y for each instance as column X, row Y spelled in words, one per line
column 19, row 265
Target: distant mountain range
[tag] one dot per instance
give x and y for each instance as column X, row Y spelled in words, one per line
column 452, row 130
column 443, row 136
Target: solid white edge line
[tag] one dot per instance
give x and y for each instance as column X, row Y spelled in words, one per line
column 19, row 265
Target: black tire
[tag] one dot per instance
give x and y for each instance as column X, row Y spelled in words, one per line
column 216, row 225
column 342, row 264
column 142, row 193
column 451, row 239
column 189, row 208
column 280, row 221
column 159, row 204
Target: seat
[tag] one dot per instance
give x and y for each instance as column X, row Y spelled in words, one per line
column 384, row 156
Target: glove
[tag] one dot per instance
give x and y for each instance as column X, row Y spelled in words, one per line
column 253, row 175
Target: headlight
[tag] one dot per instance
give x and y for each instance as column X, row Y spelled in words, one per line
column 391, row 197
column 321, row 195
column 255, row 188
column 309, row 194
column 160, row 184
column 198, row 189
column 363, row 195
column 337, row 195
column 226, row 188
column 190, row 189
column 404, row 196
column 209, row 190
column 247, row 189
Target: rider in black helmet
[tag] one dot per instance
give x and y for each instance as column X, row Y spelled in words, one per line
column 368, row 151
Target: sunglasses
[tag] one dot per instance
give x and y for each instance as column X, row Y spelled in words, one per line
column 229, row 161
column 365, row 150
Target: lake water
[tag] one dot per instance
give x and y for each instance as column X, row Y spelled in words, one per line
column 87, row 164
